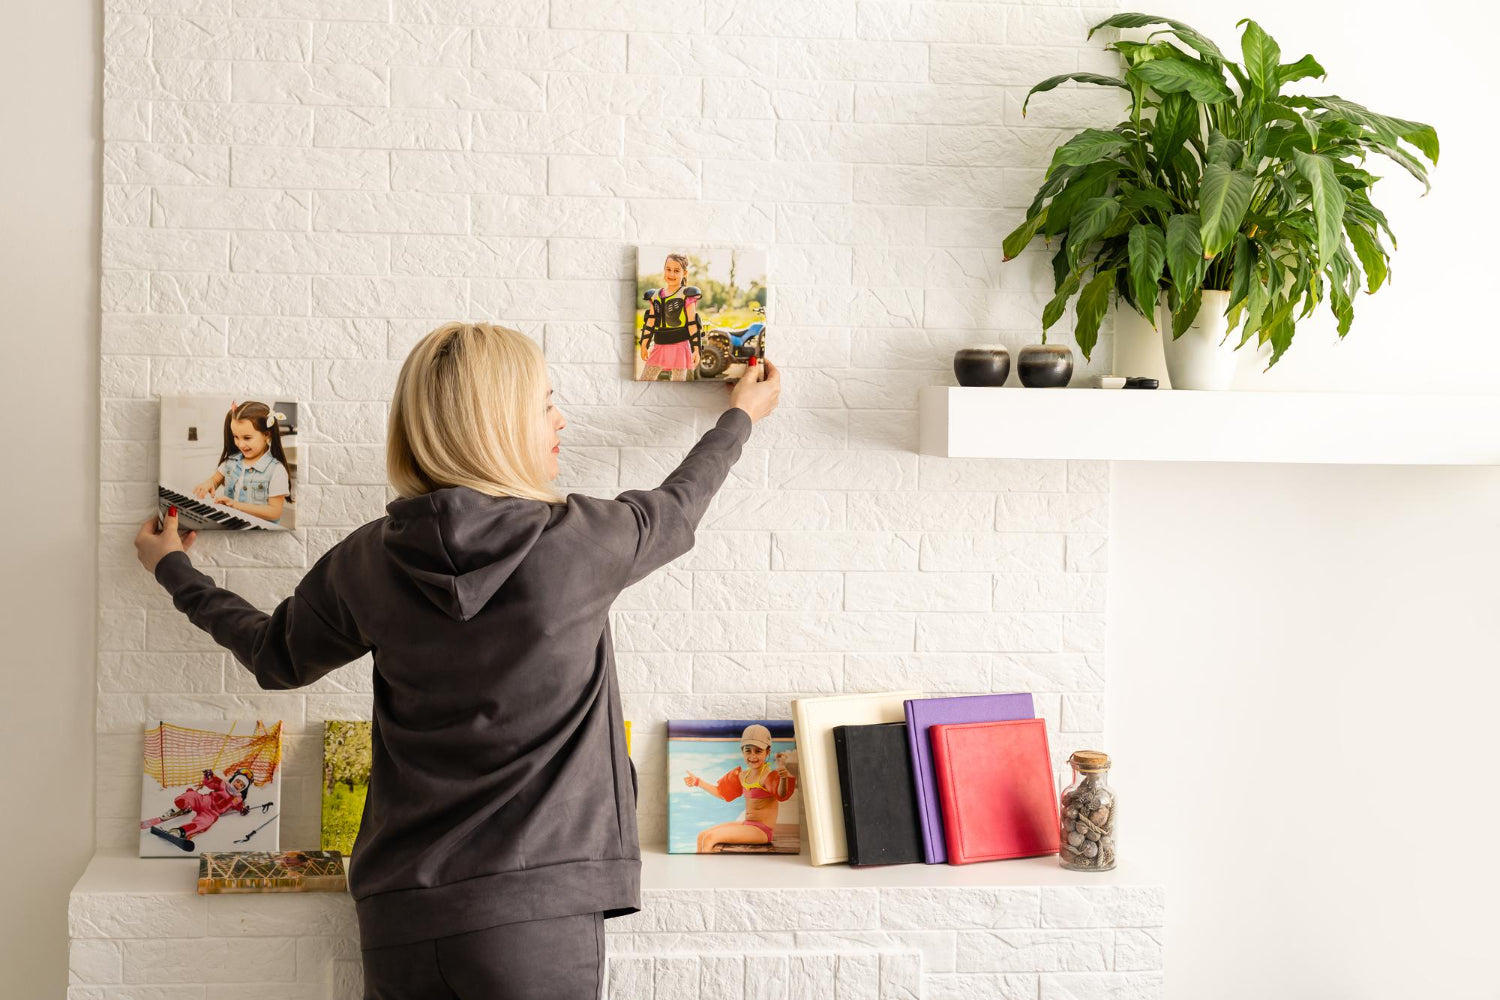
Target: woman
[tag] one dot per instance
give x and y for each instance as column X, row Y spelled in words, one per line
column 500, row 827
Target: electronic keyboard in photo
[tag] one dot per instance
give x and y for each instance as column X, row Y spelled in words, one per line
column 195, row 514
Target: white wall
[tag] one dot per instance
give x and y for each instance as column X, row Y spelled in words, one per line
column 289, row 202
column 49, row 213
column 1303, row 659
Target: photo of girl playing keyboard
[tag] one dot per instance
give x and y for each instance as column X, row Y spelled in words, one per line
column 249, row 483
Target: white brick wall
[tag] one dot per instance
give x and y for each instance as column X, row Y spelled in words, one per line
column 294, row 191
column 1047, row 943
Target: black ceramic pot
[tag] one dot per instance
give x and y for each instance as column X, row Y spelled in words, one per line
column 1045, row 366
column 987, row 365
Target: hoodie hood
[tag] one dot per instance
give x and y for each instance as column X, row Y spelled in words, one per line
column 460, row 546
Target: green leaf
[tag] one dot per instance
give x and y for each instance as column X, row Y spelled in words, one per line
column 1389, row 129
column 1303, row 68
column 1198, row 42
column 1327, row 201
column 1262, row 60
column 1370, row 254
column 1244, row 269
column 1222, row 149
column 1053, row 310
column 1255, row 307
column 1087, row 146
column 1092, row 302
column 1359, row 207
column 1409, row 163
column 1052, row 82
column 1148, row 253
column 1176, row 119
column 1224, row 197
column 1311, row 128
column 1057, row 178
column 1092, row 181
column 1022, row 235
column 1147, row 198
column 1184, row 252
column 1281, row 336
column 1091, row 219
column 1424, row 137
column 1175, row 76
column 1186, row 312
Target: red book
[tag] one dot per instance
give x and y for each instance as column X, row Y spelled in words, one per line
column 996, row 788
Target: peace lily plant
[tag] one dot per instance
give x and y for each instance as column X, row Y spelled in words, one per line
column 1217, row 182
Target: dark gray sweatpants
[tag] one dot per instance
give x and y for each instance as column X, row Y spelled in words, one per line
column 557, row 959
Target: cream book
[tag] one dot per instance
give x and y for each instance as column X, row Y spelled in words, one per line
column 813, row 720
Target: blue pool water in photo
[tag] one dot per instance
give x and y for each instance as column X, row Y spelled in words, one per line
column 690, row 811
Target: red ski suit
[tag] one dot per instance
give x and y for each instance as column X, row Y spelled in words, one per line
column 207, row 808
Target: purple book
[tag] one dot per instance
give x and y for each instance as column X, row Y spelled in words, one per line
column 922, row 713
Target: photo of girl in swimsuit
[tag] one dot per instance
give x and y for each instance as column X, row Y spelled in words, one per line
column 700, row 313
column 738, row 788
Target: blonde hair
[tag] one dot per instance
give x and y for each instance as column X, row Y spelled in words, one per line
column 469, row 411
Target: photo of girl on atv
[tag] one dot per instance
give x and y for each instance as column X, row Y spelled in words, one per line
column 701, row 313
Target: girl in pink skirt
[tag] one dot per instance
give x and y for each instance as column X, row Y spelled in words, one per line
column 672, row 332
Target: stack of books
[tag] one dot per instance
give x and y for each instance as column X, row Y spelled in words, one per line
column 895, row 778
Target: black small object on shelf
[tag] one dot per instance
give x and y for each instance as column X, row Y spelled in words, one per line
column 1045, row 366
column 1142, row 382
column 984, row 365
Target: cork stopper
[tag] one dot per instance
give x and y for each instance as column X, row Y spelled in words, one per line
column 1090, row 760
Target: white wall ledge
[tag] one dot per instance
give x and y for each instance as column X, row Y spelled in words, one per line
column 121, row 872
column 1175, row 426
column 723, row 927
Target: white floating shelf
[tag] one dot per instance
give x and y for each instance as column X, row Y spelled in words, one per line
column 1138, row 425
column 112, row 871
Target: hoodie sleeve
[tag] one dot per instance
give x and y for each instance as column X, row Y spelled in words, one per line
column 668, row 516
column 308, row 635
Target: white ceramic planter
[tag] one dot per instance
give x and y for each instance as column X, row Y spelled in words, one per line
column 1203, row 357
column 1138, row 345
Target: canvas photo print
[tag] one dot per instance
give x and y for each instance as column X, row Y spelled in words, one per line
column 229, row 462
column 700, row 313
column 732, row 787
column 346, row 782
column 210, row 786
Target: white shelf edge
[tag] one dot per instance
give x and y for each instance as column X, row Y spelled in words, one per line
column 124, row 873
column 1132, row 425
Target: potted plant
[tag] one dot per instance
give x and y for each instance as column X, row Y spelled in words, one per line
column 1246, row 206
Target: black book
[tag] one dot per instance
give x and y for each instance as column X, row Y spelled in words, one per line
column 880, row 800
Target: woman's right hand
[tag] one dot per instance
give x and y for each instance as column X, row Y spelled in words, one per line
column 203, row 489
column 759, row 397
column 691, row 780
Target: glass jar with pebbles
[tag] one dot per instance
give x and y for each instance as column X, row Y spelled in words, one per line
column 1088, row 815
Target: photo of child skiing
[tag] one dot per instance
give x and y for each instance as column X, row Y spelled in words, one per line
column 210, row 787
column 732, row 788
column 700, row 314
column 228, row 463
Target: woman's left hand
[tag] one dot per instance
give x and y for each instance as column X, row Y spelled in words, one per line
column 225, row 501
column 152, row 545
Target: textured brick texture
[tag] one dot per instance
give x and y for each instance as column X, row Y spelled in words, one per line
column 848, row 944
column 294, row 192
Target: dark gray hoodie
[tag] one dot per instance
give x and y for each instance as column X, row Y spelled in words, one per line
column 500, row 789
